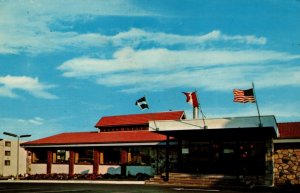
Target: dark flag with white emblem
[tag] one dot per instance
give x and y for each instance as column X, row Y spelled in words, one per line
column 142, row 103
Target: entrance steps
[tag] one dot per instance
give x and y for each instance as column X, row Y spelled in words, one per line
column 204, row 181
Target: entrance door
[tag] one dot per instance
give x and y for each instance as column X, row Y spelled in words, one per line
column 252, row 157
column 228, row 160
column 239, row 157
column 196, row 157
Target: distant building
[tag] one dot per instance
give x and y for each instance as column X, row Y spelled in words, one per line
column 8, row 158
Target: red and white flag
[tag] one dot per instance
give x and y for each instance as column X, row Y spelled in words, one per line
column 191, row 97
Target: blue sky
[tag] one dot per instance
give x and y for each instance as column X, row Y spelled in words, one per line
column 65, row 64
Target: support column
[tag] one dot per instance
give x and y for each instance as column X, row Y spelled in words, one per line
column 157, row 160
column 167, row 158
column 96, row 162
column 179, row 153
column 124, row 159
column 124, row 156
column 28, row 161
column 269, row 174
column 49, row 161
column 71, row 163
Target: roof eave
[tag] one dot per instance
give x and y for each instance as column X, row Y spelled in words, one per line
column 125, row 125
column 144, row 143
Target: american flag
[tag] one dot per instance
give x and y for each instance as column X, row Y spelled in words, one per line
column 244, row 96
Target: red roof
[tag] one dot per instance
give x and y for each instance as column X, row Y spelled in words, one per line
column 138, row 119
column 99, row 138
column 289, row 130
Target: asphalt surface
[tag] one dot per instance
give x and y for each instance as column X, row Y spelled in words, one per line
column 22, row 187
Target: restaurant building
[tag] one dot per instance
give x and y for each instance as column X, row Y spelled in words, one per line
column 166, row 142
column 122, row 145
column 235, row 146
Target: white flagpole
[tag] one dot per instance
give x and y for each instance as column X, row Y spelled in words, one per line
column 203, row 117
column 260, row 123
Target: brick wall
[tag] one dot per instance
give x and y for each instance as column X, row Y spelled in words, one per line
column 287, row 165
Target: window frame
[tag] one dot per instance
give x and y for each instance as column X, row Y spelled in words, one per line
column 7, row 163
column 84, row 156
column 7, row 144
column 7, row 153
column 61, row 156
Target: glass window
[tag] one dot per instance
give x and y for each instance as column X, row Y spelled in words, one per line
column 139, row 156
column 7, row 144
column 84, row 156
column 7, row 153
column 199, row 151
column 7, row 162
column 39, row 156
column 229, row 150
column 61, row 156
column 112, row 155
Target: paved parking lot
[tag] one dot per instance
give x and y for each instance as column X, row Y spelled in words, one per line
column 110, row 188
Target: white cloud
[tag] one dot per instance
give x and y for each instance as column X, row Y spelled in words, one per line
column 9, row 84
column 37, row 127
column 88, row 7
column 23, row 126
column 26, row 123
column 248, row 39
column 161, row 68
column 26, row 26
column 128, row 59
column 33, row 27
column 283, row 112
column 36, row 121
column 136, row 36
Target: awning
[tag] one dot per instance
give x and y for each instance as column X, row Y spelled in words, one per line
column 243, row 124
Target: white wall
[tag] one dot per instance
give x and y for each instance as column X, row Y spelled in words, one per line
column 38, row 169
column 60, row 168
column 83, row 169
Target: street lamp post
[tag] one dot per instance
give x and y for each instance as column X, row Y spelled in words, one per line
column 2, row 160
column 18, row 147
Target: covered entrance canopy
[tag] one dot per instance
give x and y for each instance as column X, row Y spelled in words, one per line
column 224, row 145
column 179, row 127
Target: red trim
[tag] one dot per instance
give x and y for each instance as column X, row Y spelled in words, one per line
column 99, row 138
column 138, row 119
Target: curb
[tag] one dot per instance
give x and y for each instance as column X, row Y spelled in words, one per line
column 73, row 182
